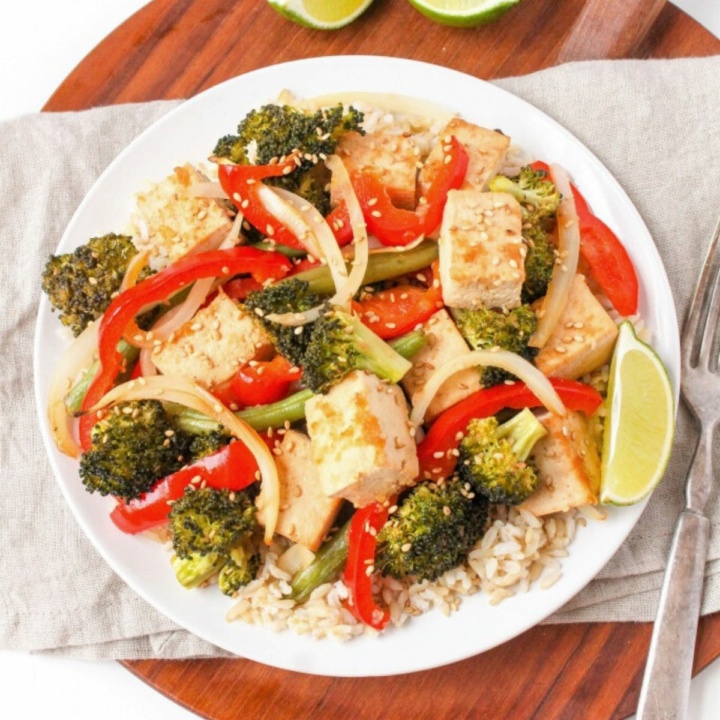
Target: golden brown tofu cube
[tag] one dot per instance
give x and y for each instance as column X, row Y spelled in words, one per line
column 306, row 512
column 360, row 439
column 486, row 151
column 214, row 344
column 170, row 221
column 481, row 250
column 444, row 343
column 391, row 156
column 583, row 338
column 568, row 465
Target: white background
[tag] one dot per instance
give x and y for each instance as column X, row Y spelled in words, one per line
column 41, row 41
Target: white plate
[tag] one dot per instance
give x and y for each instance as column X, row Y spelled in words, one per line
column 188, row 134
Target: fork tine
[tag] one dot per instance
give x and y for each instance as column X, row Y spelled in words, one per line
column 706, row 294
column 708, row 337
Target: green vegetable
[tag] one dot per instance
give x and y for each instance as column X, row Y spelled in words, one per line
column 533, row 189
column 433, row 530
column 493, row 457
column 539, row 263
column 133, row 446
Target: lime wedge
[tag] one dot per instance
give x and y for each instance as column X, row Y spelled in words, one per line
column 321, row 14
column 640, row 423
column 463, row 13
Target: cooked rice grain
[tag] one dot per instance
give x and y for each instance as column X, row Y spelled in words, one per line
column 518, row 551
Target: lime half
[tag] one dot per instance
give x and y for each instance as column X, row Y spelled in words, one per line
column 640, row 423
column 463, row 13
column 321, row 14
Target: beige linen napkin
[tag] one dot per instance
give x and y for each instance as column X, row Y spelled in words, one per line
column 653, row 123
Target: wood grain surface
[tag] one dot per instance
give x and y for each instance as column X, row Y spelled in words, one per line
column 177, row 48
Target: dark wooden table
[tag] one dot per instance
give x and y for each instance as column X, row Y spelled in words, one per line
column 177, row 48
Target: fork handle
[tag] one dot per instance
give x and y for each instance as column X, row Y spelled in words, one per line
column 666, row 684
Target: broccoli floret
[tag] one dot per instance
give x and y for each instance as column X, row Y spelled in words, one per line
column 274, row 131
column 533, row 189
column 340, row 343
column 133, row 446
column 212, row 532
column 484, row 329
column 288, row 296
column 539, row 263
column 80, row 285
column 493, row 457
column 203, row 444
column 433, row 530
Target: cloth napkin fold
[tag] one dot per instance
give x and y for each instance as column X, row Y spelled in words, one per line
column 653, row 124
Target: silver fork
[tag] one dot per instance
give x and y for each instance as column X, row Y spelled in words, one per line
column 666, row 684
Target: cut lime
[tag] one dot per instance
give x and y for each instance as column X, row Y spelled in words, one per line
column 321, row 14
column 640, row 422
column 463, row 13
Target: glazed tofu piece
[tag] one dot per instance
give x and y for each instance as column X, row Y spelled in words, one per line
column 486, row 151
column 568, row 465
column 360, row 439
column 210, row 347
column 481, row 250
column 169, row 221
column 444, row 343
column 583, row 338
column 391, row 156
column 306, row 512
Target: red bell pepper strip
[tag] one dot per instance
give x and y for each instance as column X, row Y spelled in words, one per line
column 604, row 254
column 261, row 383
column 436, row 450
column 262, row 265
column 394, row 312
column 242, row 182
column 364, row 525
column 396, row 226
column 339, row 222
column 233, row 467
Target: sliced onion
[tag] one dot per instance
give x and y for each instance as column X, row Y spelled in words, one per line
column 78, row 356
column 290, row 217
column 565, row 268
column 538, row 384
column 185, row 392
column 134, row 268
column 207, row 189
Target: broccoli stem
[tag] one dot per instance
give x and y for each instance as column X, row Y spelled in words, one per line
column 409, row 344
column 523, row 431
column 196, row 569
column 381, row 266
column 329, row 560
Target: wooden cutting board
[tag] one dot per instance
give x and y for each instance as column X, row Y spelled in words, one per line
column 177, row 48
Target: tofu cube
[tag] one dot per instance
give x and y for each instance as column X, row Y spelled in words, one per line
column 361, row 441
column 583, row 338
column 306, row 512
column 481, row 250
column 214, row 344
column 444, row 343
column 170, row 221
column 568, row 465
column 391, row 156
column 486, row 151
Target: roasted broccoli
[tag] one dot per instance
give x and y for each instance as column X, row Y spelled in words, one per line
column 133, row 446
column 274, row 131
column 340, row 343
column 206, row 443
column 493, row 457
column 212, row 532
column 289, row 296
column 484, row 329
column 433, row 530
column 533, row 189
column 539, row 263
column 80, row 285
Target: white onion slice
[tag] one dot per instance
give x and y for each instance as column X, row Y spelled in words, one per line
column 290, row 217
column 185, row 392
column 78, row 356
column 538, row 384
column 565, row 267
column 134, row 268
